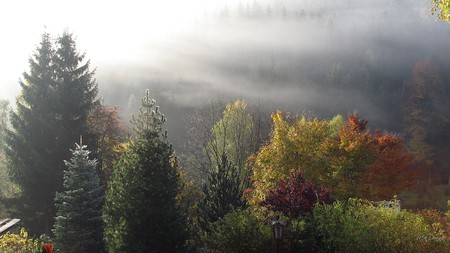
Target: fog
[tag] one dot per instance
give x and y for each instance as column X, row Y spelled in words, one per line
column 283, row 53
column 290, row 55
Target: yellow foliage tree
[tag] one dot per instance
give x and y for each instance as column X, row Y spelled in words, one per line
column 292, row 147
column 342, row 156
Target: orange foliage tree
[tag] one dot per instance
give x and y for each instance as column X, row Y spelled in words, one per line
column 108, row 132
column 343, row 156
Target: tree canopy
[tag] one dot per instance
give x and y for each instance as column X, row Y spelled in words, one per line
column 347, row 158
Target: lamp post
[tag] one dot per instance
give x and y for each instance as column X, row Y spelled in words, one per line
column 277, row 229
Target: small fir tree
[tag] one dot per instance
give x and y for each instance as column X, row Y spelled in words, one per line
column 78, row 224
column 141, row 212
column 222, row 194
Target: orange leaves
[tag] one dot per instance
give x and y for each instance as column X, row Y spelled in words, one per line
column 392, row 172
column 345, row 157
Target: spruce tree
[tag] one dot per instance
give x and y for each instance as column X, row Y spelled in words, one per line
column 78, row 222
column 57, row 95
column 141, row 212
column 222, row 194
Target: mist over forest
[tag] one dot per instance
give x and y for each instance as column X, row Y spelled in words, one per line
column 192, row 128
column 328, row 57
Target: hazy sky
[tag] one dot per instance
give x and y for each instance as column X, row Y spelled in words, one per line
column 109, row 31
column 173, row 44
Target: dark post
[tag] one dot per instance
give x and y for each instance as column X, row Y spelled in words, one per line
column 277, row 229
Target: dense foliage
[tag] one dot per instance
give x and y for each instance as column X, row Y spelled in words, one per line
column 141, row 212
column 296, row 196
column 345, row 157
column 359, row 226
column 78, row 222
column 239, row 232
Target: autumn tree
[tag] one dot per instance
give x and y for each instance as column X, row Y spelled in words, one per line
column 343, row 157
column 292, row 146
column 57, row 95
column 296, row 195
column 107, row 131
column 141, row 212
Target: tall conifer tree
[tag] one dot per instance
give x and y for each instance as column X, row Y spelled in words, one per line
column 78, row 222
column 57, row 94
column 141, row 213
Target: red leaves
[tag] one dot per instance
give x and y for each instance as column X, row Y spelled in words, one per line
column 47, row 248
column 296, row 196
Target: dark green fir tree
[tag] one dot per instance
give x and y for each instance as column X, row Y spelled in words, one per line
column 78, row 222
column 57, row 94
column 141, row 212
column 221, row 195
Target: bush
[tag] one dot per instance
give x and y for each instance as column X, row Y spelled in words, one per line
column 14, row 243
column 239, row 231
column 439, row 224
column 358, row 226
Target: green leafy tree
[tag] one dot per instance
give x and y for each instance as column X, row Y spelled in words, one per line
column 236, row 128
column 222, row 194
column 57, row 95
column 141, row 212
column 233, row 135
column 78, row 222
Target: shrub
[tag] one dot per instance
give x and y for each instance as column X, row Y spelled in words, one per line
column 239, row 232
column 14, row 243
column 358, row 226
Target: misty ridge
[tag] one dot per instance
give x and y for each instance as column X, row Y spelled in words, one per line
column 327, row 57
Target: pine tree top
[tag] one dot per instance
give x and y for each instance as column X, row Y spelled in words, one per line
column 150, row 119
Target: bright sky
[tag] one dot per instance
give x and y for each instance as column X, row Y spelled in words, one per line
column 109, row 31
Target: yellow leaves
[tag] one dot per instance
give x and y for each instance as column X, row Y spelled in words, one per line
column 334, row 154
column 13, row 243
column 442, row 7
column 293, row 146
